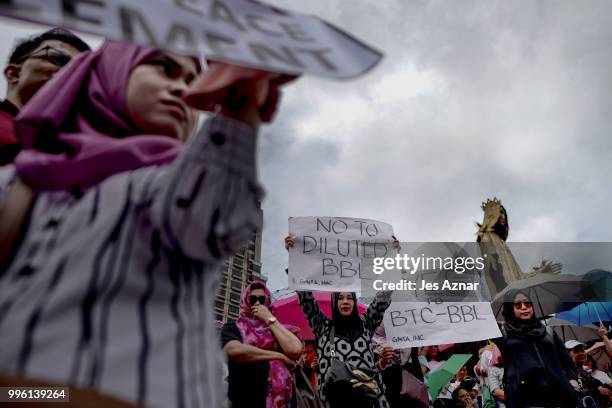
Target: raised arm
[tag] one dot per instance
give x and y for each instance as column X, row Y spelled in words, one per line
column 316, row 319
column 603, row 333
column 376, row 311
column 206, row 203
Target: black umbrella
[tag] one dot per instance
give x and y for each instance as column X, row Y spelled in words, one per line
column 549, row 293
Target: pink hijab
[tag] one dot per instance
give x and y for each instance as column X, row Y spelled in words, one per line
column 75, row 130
column 258, row 334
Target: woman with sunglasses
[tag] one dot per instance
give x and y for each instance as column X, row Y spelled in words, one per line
column 538, row 372
column 261, row 352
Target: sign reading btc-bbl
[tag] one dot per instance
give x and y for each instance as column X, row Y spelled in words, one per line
column 416, row 324
column 329, row 251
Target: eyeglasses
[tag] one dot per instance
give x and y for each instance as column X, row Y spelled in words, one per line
column 50, row 54
column 253, row 299
column 519, row 305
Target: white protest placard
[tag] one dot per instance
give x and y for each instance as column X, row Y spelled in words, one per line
column 241, row 32
column 415, row 324
column 328, row 251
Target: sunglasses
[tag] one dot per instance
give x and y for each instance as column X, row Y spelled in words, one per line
column 519, row 305
column 50, row 54
column 254, row 299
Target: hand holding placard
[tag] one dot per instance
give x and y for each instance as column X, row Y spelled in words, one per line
column 325, row 253
column 245, row 94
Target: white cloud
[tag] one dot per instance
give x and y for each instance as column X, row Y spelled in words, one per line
column 472, row 100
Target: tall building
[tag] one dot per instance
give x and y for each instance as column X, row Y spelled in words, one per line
column 240, row 269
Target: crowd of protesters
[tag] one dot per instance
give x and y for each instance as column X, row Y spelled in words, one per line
column 529, row 366
column 103, row 173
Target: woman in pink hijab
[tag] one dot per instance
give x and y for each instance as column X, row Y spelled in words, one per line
column 110, row 279
column 261, row 353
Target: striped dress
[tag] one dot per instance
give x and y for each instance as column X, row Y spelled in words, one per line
column 112, row 287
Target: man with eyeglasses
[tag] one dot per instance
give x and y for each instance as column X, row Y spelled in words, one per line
column 31, row 64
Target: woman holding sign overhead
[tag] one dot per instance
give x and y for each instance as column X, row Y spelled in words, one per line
column 343, row 348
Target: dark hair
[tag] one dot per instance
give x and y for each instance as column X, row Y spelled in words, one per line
column 508, row 306
column 592, row 360
column 455, row 394
column 348, row 328
column 25, row 47
column 468, row 383
column 442, row 403
column 437, row 357
column 258, row 285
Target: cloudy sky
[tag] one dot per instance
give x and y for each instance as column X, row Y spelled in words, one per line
column 473, row 99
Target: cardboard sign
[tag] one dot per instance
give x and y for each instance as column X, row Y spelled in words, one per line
column 415, row 324
column 328, row 251
column 241, row 32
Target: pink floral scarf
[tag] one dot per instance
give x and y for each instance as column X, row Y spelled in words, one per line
column 257, row 333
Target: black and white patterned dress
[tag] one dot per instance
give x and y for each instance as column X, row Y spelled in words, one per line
column 112, row 287
column 359, row 352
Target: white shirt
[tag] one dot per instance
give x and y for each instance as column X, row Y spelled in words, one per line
column 434, row 365
column 602, row 377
